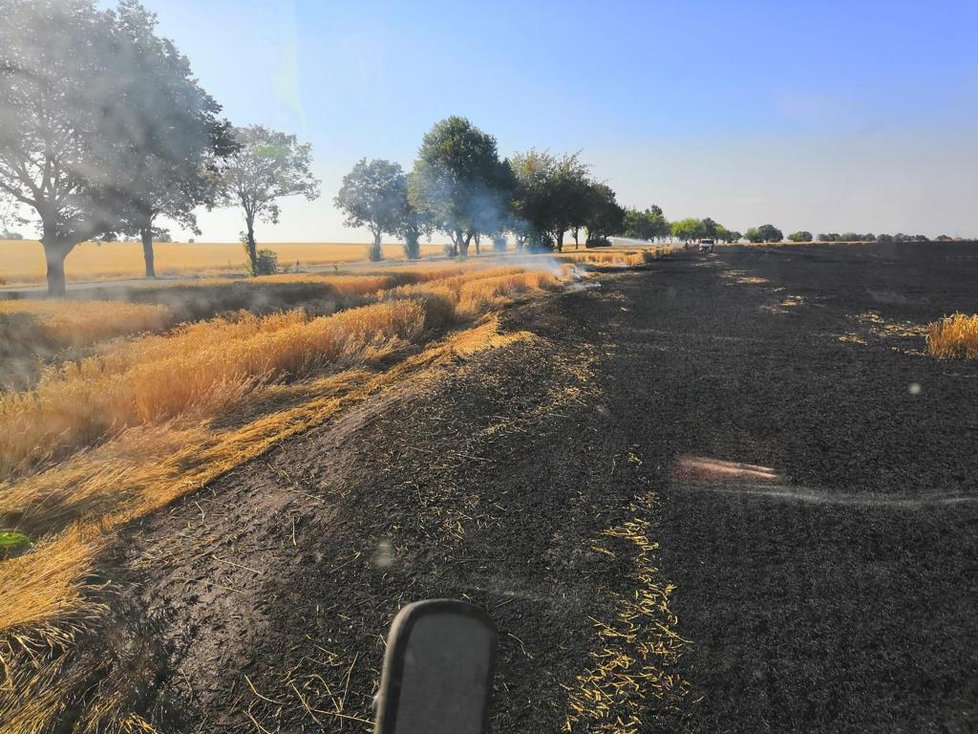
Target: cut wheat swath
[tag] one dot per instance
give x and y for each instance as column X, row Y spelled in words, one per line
column 202, row 369
column 143, row 411
column 206, row 367
column 78, row 323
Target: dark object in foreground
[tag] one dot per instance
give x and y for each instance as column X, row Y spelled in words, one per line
column 437, row 670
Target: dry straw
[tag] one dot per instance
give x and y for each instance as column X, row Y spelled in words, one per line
column 954, row 336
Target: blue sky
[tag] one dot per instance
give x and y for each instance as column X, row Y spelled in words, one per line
column 825, row 116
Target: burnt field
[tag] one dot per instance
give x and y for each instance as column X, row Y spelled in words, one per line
column 720, row 493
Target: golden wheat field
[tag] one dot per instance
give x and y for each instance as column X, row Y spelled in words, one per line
column 135, row 404
column 79, row 323
column 170, row 410
column 22, row 262
column 157, row 406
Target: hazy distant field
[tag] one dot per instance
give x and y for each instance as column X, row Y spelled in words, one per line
column 23, row 261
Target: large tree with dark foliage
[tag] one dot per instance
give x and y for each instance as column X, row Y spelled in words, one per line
column 604, row 217
column 552, row 195
column 101, row 124
column 646, row 225
column 764, row 233
column 61, row 116
column 460, row 182
column 373, row 195
column 172, row 167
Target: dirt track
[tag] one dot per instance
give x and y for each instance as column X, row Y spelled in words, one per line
column 830, row 587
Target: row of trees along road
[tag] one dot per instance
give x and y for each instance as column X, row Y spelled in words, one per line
column 461, row 187
column 104, row 129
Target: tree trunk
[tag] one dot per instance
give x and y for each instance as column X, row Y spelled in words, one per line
column 55, row 252
column 375, row 252
column 577, row 244
column 252, row 245
column 146, row 233
column 476, row 240
column 463, row 245
column 560, row 241
column 412, row 248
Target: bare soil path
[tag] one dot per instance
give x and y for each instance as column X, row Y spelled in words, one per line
column 808, row 475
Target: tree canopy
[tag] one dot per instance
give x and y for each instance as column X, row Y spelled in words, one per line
column 102, row 126
column 460, row 181
column 727, row 235
column 764, row 233
column 551, row 195
column 688, row 229
column 646, row 225
column 604, row 216
column 172, row 167
column 373, row 195
column 267, row 166
column 64, row 129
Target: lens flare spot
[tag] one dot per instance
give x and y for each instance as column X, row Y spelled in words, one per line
column 699, row 468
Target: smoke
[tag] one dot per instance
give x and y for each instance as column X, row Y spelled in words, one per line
column 102, row 126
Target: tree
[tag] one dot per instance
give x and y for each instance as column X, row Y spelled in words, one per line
column 605, row 217
column 572, row 193
column 727, row 235
column 532, row 173
column 460, row 181
column 411, row 223
column 373, row 196
column 710, row 228
column 65, row 128
column 172, row 168
column 551, row 195
column 646, row 225
column 764, row 233
column 267, row 166
column 801, row 236
column 689, row 229
column 850, row 237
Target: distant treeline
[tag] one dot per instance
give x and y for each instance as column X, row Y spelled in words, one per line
column 459, row 186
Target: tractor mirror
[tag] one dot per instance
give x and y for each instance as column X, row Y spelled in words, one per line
column 438, row 670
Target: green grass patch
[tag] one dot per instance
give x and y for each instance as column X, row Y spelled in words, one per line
column 13, row 542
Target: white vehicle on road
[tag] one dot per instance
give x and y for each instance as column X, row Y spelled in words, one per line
column 707, row 245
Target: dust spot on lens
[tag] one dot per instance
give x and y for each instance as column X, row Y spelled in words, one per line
column 915, row 388
column 384, row 555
